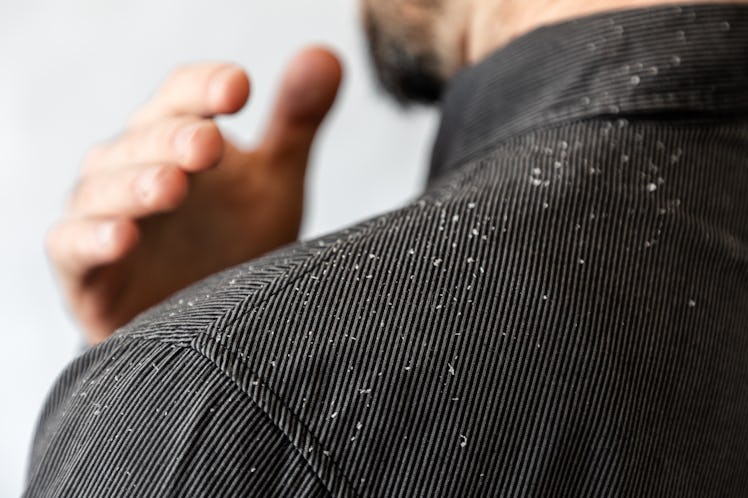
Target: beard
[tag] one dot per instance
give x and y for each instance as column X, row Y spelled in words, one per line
column 408, row 71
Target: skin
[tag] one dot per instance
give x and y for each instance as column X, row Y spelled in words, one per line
column 171, row 200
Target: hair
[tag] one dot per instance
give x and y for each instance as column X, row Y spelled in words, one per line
column 405, row 59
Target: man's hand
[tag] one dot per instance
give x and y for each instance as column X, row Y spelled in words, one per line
column 171, row 201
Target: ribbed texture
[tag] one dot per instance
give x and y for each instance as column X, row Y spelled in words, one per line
column 564, row 315
column 150, row 419
column 669, row 60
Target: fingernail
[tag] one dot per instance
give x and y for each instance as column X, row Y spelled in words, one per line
column 146, row 184
column 105, row 234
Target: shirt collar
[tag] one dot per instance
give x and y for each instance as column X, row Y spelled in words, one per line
column 688, row 60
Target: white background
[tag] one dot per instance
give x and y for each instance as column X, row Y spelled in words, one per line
column 70, row 73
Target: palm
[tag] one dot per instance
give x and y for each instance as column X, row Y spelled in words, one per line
column 234, row 213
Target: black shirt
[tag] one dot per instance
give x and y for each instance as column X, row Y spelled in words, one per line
column 564, row 312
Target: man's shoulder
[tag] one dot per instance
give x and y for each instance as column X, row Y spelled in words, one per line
column 235, row 332
column 435, row 338
column 215, row 302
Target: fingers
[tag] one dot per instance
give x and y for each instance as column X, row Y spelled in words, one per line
column 77, row 246
column 134, row 193
column 306, row 95
column 191, row 143
column 198, row 89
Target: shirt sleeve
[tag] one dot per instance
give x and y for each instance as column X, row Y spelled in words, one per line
column 142, row 418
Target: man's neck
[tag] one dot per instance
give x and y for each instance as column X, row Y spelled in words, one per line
column 494, row 23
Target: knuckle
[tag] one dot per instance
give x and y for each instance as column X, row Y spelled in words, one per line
column 166, row 188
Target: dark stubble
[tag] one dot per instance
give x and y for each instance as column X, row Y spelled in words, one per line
column 410, row 73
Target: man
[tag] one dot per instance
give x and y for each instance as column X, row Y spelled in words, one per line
column 564, row 312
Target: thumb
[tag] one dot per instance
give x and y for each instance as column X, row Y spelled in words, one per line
column 306, row 94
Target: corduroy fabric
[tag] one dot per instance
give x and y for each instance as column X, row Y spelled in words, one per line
column 563, row 313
